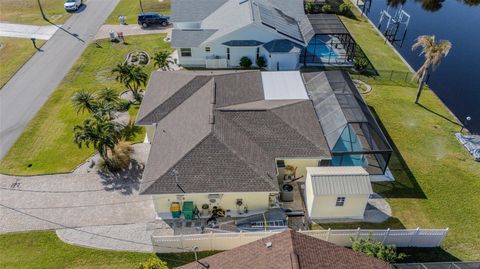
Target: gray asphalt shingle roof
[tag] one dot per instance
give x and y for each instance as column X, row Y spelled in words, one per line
column 190, row 38
column 221, row 136
column 193, row 10
column 282, row 46
column 242, row 43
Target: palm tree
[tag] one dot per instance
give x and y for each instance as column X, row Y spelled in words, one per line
column 163, row 60
column 133, row 77
column 108, row 95
column 84, row 101
column 98, row 131
column 433, row 52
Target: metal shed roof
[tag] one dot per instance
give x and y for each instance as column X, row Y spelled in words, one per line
column 283, row 85
column 327, row 24
column 340, row 180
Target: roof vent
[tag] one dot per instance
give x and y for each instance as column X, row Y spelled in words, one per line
column 211, row 118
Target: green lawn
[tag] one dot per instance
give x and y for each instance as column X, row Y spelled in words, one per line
column 47, row 142
column 14, row 52
column 43, row 249
column 131, row 8
column 28, row 11
column 436, row 179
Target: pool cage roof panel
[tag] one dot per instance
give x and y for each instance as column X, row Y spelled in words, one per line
column 343, row 114
column 326, row 24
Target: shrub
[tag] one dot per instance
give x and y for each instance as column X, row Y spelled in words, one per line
column 245, row 62
column 119, row 159
column 344, row 9
column 326, row 8
column 377, row 249
column 123, row 105
column 360, row 64
column 261, row 62
column 309, row 7
column 153, row 263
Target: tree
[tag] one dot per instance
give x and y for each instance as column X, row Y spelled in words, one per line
column 344, row 9
column 84, row 100
column 245, row 62
column 108, row 95
column 163, row 60
column 261, row 63
column 377, row 249
column 326, row 8
column 433, row 52
column 133, row 77
column 309, row 7
column 153, row 263
column 99, row 132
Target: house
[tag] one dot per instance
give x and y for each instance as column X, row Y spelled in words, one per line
column 337, row 192
column 287, row 250
column 226, row 138
column 218, row 33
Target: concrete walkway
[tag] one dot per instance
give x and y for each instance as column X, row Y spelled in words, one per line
column 131, row 29
column 26, row 92
column 27, row 31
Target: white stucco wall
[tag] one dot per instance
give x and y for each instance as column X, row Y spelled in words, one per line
column 286, row 61
column 254, row 200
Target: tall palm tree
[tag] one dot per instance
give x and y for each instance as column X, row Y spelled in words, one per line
column 99, row 132
column 163, row 60
column 133, row 77
column 433, row 52
column 84, row 100
column 108, row 95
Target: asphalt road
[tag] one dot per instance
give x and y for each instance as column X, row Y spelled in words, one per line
column 27, row 91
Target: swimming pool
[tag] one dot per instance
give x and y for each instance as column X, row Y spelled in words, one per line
column 322, row 51
column 348, row 142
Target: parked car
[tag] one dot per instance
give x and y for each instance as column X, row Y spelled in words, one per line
column 152, row 18
column 72, row 5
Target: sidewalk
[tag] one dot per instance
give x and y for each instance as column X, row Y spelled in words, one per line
column 131, row 29
column 27, row 31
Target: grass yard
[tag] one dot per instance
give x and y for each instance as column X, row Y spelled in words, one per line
column 47, row 142
column 437, row 181
column 14, row 52
column 43, row 249
column 131, row 8
column 28, row 11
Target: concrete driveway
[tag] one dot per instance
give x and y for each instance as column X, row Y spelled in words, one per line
column 70, row 200
column 26, row 92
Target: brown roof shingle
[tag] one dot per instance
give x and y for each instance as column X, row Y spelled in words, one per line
column 290, row 249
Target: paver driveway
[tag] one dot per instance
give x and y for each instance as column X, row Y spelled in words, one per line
column 70, row 200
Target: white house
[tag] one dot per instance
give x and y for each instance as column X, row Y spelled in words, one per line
column 218, row 33
column 337, row 192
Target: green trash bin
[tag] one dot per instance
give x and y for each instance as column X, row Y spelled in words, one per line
column 188, row 210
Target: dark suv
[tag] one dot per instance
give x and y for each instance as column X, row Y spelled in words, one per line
column 152, row 18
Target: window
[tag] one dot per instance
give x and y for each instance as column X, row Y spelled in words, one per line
column 228, row 53
column 207, row 49
column 340, row 201
column 186, row 52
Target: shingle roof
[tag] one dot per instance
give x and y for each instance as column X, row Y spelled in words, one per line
column 193, row 10
column 242, row 43
column 190, row 38
column 290, row 249
column 220, row 135
column 282, row 46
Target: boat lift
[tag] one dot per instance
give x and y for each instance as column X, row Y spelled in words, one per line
column 393, row 23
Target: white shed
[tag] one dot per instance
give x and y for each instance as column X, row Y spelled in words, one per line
column 337, row 192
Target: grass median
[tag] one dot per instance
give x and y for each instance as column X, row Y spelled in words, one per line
column 46, row 145
column 14, row 53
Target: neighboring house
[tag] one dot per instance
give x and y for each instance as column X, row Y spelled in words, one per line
column 225, row 138
column 218, row 33
column 289, row 250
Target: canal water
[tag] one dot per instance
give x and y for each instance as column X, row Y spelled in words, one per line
column 457, row 80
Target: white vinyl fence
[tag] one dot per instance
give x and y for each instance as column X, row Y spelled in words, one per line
column 224, row 241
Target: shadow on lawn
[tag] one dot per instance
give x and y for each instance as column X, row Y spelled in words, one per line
column 439, row 115
column 405, row 184
column 427, row 255
column 392, row 223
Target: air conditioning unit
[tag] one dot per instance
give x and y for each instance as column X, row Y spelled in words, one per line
column 214, row 198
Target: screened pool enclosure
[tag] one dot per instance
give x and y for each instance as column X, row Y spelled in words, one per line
column 352, row 133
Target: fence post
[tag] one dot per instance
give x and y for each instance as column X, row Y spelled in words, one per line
column 391, row 74
column 211, row 241
column 414, row 235
column 406, row 76
column 328, row 235
column 358, row 233
column 181, row 242
column 387, row 233
column 443, row 237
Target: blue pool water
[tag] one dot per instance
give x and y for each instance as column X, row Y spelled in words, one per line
column 322, row 50
column 348, row 142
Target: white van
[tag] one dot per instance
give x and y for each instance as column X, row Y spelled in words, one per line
column 72, row 5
